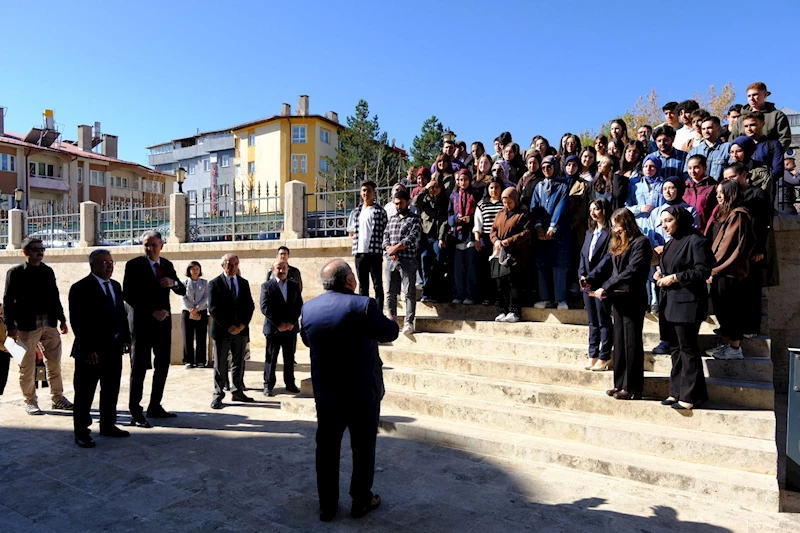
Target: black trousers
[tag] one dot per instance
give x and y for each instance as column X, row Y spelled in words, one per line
column 5, row 359
column 194, row 338
column 726, row 295
column 362, row 422
column 750, row 298
column 235, row 344
column 149, row 337
column 370, row 265
column 107, row 371
column 285, row 341
column 687, row 382
column 628, row 344
column 508, row 290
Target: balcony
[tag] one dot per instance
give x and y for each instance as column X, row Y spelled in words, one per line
column 51, row 183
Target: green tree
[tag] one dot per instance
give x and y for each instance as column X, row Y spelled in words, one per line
column 428, row 144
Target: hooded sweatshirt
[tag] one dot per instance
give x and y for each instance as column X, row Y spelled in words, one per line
column 776, row 125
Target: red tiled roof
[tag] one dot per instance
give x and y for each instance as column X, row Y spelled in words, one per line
column 275, row 117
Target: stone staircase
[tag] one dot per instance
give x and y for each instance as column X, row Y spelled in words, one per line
column 519, row 391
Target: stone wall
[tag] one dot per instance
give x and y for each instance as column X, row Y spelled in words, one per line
column 784, row 300
column 309, row 255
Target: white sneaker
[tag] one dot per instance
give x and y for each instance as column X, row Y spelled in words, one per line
column 500, row 318
column 457, row 301
column 408, row 330
column 540, row 305
column 511, row 318
column 731, row 353
column 468, row 302
column 716, row 350
column 563, row 305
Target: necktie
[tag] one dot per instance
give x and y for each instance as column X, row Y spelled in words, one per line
column 157, row 267
column 233, row 288
column 109, row 297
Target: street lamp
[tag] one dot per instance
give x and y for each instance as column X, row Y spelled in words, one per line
column 180, row 172
column 18, row 196
column 449, row 136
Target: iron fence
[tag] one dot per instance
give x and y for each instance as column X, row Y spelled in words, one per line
column 224, row 213
column 3, row 229
column 123, row 222
column 328, row 212
column 788, row 201
column 54, row 224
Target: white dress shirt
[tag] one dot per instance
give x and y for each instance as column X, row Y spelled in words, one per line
column 102, row 283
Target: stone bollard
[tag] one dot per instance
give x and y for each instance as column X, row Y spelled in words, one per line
column 294, row 211
column 178, row 218
column 17, row 228
column 90, row 224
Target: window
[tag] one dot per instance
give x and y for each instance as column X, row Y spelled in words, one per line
column 80, row 175
column 206, row 193
column 192, row 168
column 206, row 164
column 298, row 134
column 226, row 161
column 325, row 136
column 8, row 163
column 251, row 139
column 294, row 164
column 237, row 171
column 193, row 195
column 303, row 168
column 97, row 178
column 225, row 190
column 251, row 167
column 201, row 140
column 299, row 161
column 323, row 164
column 163, row 149
column 43, row 170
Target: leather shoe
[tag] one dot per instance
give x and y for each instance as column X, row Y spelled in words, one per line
column 139, row 421
column 628, row 395
column 160, row 412
column 293, row 389
column 85, row 442
column 361, row 511
column 114, row 431
column 327, row 516
column 216, row 404
column 268, row 392
column 611, row 392
column 243, row 398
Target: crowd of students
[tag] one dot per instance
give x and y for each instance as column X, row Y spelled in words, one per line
column 632, row 225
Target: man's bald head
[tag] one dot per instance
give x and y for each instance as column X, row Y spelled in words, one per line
column 337, row 275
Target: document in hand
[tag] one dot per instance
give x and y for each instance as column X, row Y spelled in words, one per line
column 16, row 349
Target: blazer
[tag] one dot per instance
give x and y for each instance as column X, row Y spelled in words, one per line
column 690, row 258
column 227, row 311
column 142, row 291
column 196, row 295
column 626, row 274
column 20, row 309
column 276, row 310
column 294, row 275
column 343, row 331
column 98, row 327
column 586, row 265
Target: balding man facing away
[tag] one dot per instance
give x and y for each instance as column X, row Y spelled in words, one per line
column 343, row 331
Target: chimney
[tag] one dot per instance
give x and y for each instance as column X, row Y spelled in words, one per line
column 302, row 105
column 85, row 138
column 286, row 110
column 48, row 119
column 2, row 121
column 334, row 116
column 110, row 146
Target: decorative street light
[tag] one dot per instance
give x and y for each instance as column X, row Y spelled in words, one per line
column 180, row 172
column 18, row 196
column 449, row 136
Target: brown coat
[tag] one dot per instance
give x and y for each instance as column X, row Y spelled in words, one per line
column 516, row 227
column 733, row 245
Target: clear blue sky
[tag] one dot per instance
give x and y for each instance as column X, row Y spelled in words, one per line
column 151, row 71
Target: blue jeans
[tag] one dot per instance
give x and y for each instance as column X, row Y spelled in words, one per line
column 465, row 273
column 429, row 258
column 558, row 276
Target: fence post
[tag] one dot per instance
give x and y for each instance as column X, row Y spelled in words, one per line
column 90, row 224
column 294, row 220
column 233, row 215
column 17, row 228
column 178, row 218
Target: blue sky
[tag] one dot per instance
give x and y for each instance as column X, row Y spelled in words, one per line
column 151, row 71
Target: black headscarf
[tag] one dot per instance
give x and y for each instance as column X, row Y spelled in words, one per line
column 680, row 187
column 685, row 221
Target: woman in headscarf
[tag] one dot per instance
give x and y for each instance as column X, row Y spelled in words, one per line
column 510, row 235
column 501, row 169
column 684, row 268
column 552, row 219
column 741, row 151
column 515, row 163
column 644, row 191
column 529, row 180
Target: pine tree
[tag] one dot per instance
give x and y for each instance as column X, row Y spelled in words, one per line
column 428, row 144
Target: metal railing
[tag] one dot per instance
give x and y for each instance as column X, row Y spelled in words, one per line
column 788, row 200
column 4, row 230
column 328, row 212
column 50, row 222
column 122, row 223
column 226, row 214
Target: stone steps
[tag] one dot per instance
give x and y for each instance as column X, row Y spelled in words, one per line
column 724, row 391
column 751, row 490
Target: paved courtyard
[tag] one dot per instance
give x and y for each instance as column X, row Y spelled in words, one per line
column 251, row 468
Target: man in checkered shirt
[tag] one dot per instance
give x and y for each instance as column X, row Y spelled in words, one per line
column 370, row 221
column 401, row 240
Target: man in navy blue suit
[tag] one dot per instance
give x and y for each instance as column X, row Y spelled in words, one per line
column 343, row 331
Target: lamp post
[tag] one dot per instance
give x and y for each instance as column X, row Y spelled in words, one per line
column 180, row 172
column 18, row 196
column 448, row 136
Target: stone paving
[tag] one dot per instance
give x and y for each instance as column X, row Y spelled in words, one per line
column 250, row 467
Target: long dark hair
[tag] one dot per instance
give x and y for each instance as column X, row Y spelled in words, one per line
column 623, row 126
column 733, row 197
column 634, row 165
column 593, row 166
column 605, row 208
column 620, row 242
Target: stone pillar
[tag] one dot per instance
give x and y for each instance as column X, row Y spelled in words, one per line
column 783, row 304
column 17, row 228
column 90, row 224
column 178, row 218
column 294, row 211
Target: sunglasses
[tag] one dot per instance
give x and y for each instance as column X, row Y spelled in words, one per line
column 36, row 250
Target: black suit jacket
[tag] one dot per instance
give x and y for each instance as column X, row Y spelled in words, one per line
column 275, row 309
column 98, row 327
column 586, row 265
column 142, row 291
column 227, row 311
column 690, row 258
column 626, row 274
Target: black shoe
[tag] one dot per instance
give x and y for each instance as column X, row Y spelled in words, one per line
column 216, row 404
column 268, row 392
column 662, row 348
column 85, row 442
column 227, row 388
column 114, row 431
column 360, row 512
column 327, row 516
column 160, row 412
column 293, row 389
column 243, row 398
column 139, row 421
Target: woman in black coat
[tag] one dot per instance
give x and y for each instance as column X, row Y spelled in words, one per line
column 685, row 265
column 627, row 273
column 594, row 252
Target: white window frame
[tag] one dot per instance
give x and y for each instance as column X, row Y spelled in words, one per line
column 8, row 163
column 251, row 139
column 225, row 190
column 323, row 164
column 325, row 136
column 251, row 167
column 294, row 164
column 303, row 164
column 237, row 171
column 299, row 134
column 97, row 178
column 192, row 168
column 226, row 161
column 207, row 165
column 193, row 195
column 80, row 174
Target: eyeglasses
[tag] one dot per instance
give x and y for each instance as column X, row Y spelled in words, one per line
column 112, row 263
column 36, row 250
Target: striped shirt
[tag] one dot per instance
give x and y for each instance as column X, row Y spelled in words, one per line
column 485, row 215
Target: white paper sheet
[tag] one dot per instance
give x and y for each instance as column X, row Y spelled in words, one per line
column 16, row 350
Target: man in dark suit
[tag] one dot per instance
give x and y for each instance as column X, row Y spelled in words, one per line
column 294, row 272
column 100, row 324
column 231, row 307
column 148, row 280
column 343, row 331
column 281, row 304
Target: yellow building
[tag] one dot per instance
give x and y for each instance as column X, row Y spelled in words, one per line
column 273, row 151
